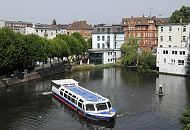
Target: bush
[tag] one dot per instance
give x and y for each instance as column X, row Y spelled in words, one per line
column 185, row 120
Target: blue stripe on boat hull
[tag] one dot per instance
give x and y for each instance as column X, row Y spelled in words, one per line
column 91, row 117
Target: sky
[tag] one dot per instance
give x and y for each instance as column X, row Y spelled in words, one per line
column 93, row 11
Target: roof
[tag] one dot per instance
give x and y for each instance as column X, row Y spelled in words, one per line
column 18, row 22
column 50, row 26
column 80, row 25
column 144, row 20
column 107, row 29
column 86, row 94
column 98, row 50
column 65, row 81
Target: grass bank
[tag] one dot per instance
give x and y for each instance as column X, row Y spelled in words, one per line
column 85, row 67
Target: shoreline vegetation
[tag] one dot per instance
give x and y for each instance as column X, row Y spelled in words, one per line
column 185, row 120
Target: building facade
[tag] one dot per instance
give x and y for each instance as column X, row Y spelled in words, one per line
column 16, row 26
column 173, row 48
column 106, row 43
column 144, row 29
column 82, row 27
column 49, row 31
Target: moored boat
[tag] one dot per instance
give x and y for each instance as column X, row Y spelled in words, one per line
column 87, row 103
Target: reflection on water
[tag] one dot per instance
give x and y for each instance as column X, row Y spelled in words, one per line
column 31, row 106
column 84, row 122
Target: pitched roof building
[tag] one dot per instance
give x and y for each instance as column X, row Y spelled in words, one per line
column 81, row 27
column 143, row 28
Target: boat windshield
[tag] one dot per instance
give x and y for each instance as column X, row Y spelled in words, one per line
column 101, row 106
column 109, row 104
column 90, row 107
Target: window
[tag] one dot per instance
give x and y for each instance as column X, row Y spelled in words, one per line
column 80, row 103
column 170, row 28
column 98, row 45
column 169, row 45
column 174, row 52
column 98, row 38
column 165, row 52
column 61, row 93
column 172, row 60
column 103, row 38
column 37, row 31
column 165, row 61
column 184, row 38
column 162, row 29
column 41, row 30
column 65, row 95
column 103, row 45
column 180, row 62
column 182, row 52
column 101, row 106
column 98, row 29
column 170, row 38
column 161, row 46
column 109, row 104
column 90, row 107
column 184, row 28
column 161, row 38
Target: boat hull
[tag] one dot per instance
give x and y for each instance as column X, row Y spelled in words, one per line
column 82, row 113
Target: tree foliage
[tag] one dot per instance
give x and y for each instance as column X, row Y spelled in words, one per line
column 183, row 13
column 54, row 22
column 81, row 40
column 129, row 51
column 147, row 61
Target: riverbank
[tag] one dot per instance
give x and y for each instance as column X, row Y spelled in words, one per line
column 35, row 74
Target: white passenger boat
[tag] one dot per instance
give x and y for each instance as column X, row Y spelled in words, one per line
column 86, row 103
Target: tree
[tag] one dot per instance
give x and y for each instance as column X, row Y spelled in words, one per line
column 188, row 65
column 147, row 61
column 89, row 43
column 81, row 40
column 54, row 22
column 129, row 51
column 183, row 13
column 11, row 54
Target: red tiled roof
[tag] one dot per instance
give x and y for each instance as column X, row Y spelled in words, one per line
column 80, row 25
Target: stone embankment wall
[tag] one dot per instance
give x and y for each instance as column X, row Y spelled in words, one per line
column 34, row 75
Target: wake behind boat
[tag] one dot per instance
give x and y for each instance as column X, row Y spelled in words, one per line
column 86, row 103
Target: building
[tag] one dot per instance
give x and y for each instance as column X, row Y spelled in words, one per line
column 106, row 43
column 143, row 28
column 49, row 31
column 173, row 48
column 16, row 26
column 82, row 27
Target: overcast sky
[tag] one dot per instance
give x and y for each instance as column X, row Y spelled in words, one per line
column 94, row 11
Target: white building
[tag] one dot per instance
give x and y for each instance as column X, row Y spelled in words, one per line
column 106, row 43
column 50, row 31
column 16, row 26
column 173, row 48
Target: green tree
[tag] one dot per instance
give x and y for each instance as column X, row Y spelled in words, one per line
column 146, row 61
column 81, row 40
column 11, row 54
column 183, row 13
column 89, row 43
column 188, row 65
column 129, row 51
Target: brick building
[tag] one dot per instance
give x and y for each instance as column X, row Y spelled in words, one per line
column 143, row 28
column 81, row 27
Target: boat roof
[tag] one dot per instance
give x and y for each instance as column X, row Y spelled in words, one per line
column 65, row 81
column 86, row 94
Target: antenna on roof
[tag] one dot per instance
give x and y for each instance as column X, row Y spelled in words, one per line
column 150, row 15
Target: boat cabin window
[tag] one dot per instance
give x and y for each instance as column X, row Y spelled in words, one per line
column 109, row 104
column 90, row 107
column 61, row 93
column 74, row 99
column 101, row 106
column 62, row 89
column 80, row 104
column 81, row 101
column 69, row 96
column 65, row 95
column 66, row 92
column 56, row 85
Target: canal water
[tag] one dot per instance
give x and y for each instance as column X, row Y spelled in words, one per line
column 29, row 106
